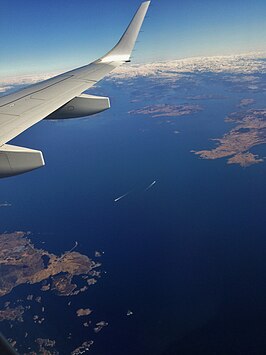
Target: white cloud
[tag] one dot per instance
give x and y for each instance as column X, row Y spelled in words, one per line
column 11, row 81
column 5, row 88
column 235, row 64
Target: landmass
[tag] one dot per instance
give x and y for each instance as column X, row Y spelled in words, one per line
column 12, row 314
column 245, row 159
column 91, row 281
column 83, row 312
column 250, row 131
column 99, row 326
column 46, row 286
column 38, row 319
column 38, row 299
column 206, row 97
column 45, row 347
column 165, row 110
column 246, row 102
column 62, row 285
column 44, row 344
column 84, row 347
column 22, row 263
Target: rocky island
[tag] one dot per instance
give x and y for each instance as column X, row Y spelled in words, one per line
column 22, row 263
column 250, row 131
column 165, row 110
column 83, row 312
column 12, row 314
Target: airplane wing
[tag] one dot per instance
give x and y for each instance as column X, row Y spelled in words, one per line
column 61, row 95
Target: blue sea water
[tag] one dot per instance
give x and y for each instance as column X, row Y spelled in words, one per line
column 187, row 257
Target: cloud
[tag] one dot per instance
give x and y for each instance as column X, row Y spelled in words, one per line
column 10, row 82
column 248, row 64
column 5, row 88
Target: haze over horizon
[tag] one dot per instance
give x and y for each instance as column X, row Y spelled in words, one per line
column 56, row 36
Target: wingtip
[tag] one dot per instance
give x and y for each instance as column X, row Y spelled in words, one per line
column 123, row 49
column 146, row 2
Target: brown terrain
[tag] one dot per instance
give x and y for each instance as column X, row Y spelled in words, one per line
column 22, row 263
column 12, row 314
column 250, row 131
column 83, row 312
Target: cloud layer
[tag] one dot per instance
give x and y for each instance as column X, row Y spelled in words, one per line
column 251, row 63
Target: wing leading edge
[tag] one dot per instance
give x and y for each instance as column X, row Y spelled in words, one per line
column 21, row 110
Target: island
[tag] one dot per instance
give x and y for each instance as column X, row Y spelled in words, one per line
column 83, row 312
column 22, row 263
column 250, row 131
column 82, row 348
column 166, row 110
column 44, row 344
column 99, row 326
column 206, row 97
column 12, row 314
column 246, row 102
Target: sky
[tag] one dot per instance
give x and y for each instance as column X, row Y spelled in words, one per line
column 54, row 35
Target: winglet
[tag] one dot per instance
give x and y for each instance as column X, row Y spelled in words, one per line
column 122, row 51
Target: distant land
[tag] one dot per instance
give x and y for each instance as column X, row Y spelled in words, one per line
column 246, row 102
column 22, row 263
column 83, row 312
column 250, row 131
column 165, row 110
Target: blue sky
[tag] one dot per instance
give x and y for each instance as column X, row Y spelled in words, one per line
column 49, row 35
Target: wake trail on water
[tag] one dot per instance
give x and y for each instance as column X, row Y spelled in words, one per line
column 151, row 185
column 129, row 192
column 123, row 196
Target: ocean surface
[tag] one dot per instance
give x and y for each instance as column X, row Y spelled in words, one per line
column 186, row 256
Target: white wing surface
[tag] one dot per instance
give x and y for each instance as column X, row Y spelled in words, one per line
column 21, row 110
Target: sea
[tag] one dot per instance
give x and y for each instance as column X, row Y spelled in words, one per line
column 187, row 256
